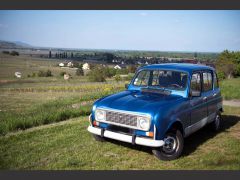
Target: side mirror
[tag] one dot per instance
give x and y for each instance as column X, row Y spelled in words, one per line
column 195, row 93
column 126, row 86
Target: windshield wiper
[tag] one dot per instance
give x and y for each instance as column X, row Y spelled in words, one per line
column 156, row 90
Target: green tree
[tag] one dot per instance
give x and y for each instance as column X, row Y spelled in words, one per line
column 227, row 63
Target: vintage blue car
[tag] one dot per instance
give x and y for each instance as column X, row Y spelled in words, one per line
column 163, row 104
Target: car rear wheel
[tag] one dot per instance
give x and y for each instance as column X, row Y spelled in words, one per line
column 172, row 148
column 99, row 138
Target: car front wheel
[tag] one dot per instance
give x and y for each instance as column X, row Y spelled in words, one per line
column 172, row 148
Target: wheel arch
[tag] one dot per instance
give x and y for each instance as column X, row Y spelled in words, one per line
column 175, row 125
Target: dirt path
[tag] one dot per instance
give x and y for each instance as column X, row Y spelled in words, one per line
column 234, row 103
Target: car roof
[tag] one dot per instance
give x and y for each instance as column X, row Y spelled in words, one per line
column 178, row 66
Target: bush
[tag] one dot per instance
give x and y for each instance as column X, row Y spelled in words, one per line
column 221, row 75
column 62, row 73
column 47, row 73
column 14, row 53
column 118, row 78
column 79, row 72
column 5, row 52
column 96, row 75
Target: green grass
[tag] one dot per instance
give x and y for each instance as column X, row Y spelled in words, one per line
column 230, row 88
column 68, row 145
column 49, row 112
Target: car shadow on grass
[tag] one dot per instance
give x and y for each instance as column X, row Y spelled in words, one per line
column 198, row 138
column 193, row 141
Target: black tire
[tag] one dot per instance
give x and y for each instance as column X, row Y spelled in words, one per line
column 216, row 124
column 166, row 153
column 99, row 138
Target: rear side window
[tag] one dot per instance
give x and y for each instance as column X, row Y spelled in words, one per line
column 196, row 82
column 215, row 80
column 207, row 81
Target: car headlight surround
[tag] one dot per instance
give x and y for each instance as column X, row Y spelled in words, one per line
column 100, row 115
column 143, row 122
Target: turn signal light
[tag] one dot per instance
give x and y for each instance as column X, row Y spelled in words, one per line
column 95, row 123
column 150, row 134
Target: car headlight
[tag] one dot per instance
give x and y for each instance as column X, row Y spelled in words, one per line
column 143, row 123
column 100, row 115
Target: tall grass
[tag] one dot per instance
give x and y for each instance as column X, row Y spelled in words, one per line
column 53, row 111
column 230, row 88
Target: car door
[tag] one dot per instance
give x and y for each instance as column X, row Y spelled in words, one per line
column 210, row 94
column 198, row 105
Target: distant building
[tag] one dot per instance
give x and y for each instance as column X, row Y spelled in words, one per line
column 18, row 74
column 69, row 64
column 61, row 64
column 119, row 66
column 86, row 66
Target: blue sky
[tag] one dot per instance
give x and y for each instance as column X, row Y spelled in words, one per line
column 201, row 31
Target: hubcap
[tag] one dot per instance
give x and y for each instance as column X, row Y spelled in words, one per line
column 170, row 144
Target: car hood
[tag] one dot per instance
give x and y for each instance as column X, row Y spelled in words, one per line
column 137, row 101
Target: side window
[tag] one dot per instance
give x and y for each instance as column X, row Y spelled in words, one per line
column 215, row 80
column 196, row 82
column 207, row 81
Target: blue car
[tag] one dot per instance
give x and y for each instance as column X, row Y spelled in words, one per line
column 163, row 104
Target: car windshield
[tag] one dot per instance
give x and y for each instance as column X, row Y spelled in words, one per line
column 173, row 80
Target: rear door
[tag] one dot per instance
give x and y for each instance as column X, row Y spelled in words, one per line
column 208, row 93
column 198, row 104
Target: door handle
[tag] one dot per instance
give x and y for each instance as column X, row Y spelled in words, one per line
column 214, row 94
column 204, row 98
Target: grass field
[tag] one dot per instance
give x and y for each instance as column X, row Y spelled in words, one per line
column 68, row 145
column 230, row 88
column 32, row 136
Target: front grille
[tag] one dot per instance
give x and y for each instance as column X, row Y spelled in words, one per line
column 121, row 118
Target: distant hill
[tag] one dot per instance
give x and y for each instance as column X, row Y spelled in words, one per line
column 20, row 43
column 13, row 45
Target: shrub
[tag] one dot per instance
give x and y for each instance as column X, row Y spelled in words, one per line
column 221, row 75
column 62, row 73
column 118, row 78
column 47, row 73
column 96, row 75
column 5, row 52
column 14, row 53
column 79, row 72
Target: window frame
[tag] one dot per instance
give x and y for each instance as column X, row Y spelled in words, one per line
column 210, row 72
column 201, row 80
column 215, row 87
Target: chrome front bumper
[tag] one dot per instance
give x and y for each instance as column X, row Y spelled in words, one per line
column 126, row 138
